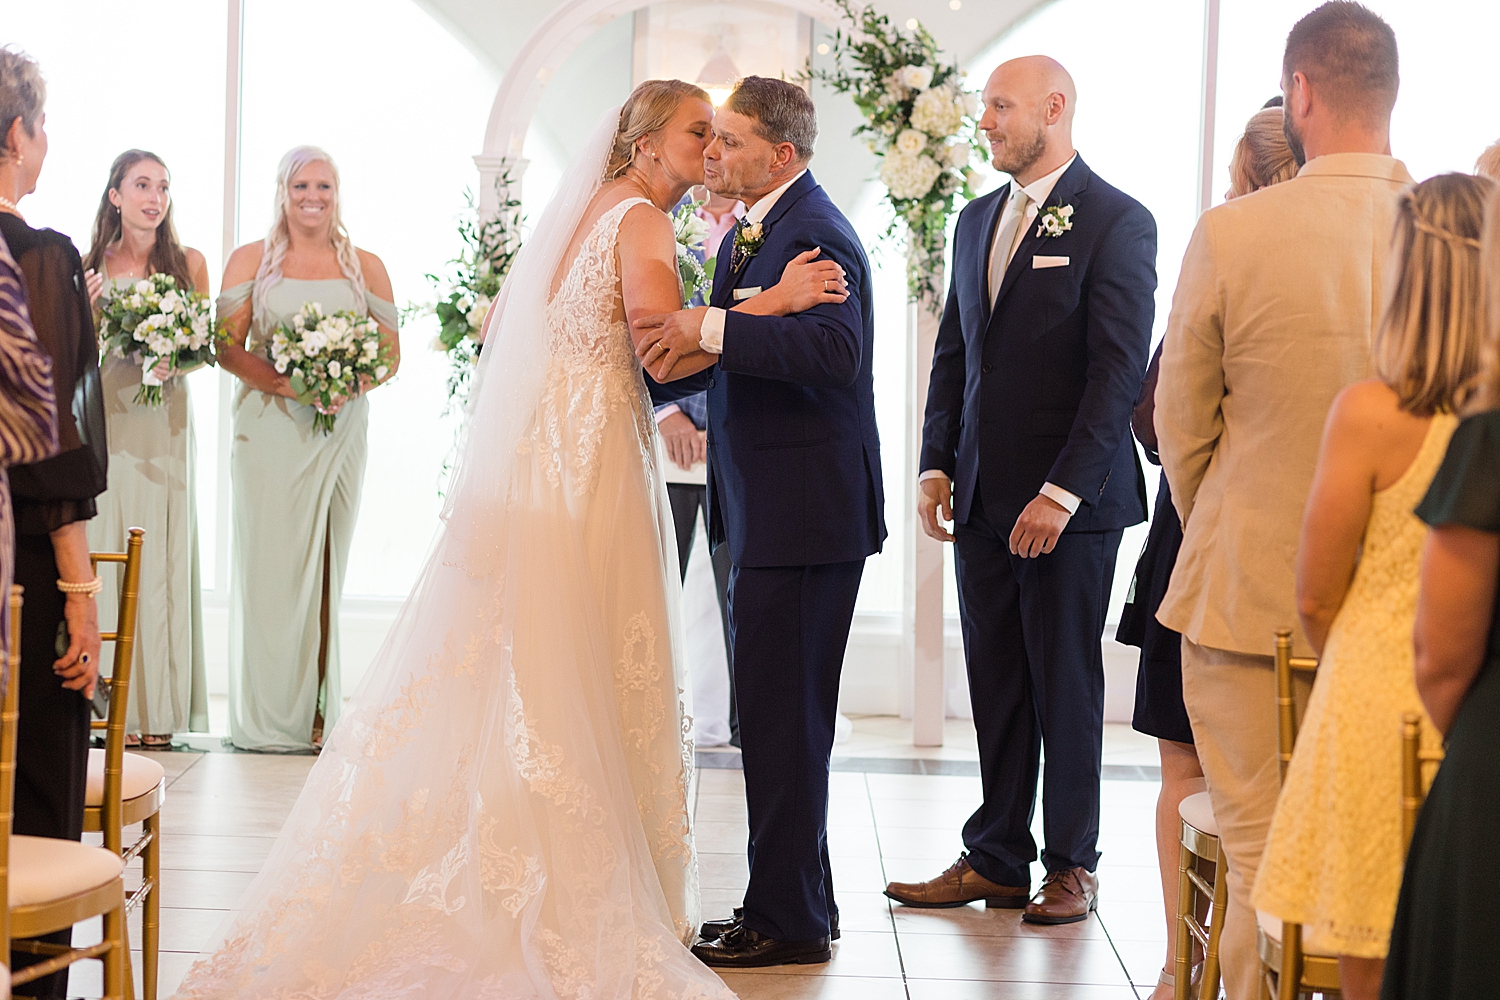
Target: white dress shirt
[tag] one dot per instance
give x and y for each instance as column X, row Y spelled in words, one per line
column 712, row 332
column 1020, row 213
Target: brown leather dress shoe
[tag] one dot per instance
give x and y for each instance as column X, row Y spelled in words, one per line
column 1065, row 897
column 958, row 886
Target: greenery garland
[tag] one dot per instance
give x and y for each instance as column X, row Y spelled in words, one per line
column 920, row 122
column 466, row 293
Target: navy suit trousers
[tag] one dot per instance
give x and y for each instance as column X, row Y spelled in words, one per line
column 790, row 628
column 1032, row 630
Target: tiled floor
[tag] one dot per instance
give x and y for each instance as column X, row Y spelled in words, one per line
column 224, row 809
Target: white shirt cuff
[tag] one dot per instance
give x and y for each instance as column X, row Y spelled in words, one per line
column 667, row 411
column 932, row 474
column 1062, row 497
column 713, row 331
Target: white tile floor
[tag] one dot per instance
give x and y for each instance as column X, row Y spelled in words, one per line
column 223, row 811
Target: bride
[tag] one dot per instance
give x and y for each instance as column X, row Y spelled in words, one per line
column 503, row 811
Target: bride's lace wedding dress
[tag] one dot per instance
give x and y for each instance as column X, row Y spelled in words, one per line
column 503, row 810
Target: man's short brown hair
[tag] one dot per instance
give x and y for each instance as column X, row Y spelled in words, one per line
column 1349, row 55
column 782, row 112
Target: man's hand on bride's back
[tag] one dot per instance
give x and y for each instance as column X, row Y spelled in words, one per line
column 807, row 282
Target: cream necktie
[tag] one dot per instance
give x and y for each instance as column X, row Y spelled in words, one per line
column 1006, row 240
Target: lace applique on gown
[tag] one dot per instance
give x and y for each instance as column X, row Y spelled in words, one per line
column 503, row 809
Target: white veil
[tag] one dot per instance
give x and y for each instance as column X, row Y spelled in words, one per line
column 513, row 364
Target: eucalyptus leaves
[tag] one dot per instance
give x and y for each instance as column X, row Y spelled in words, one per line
column 922, row 124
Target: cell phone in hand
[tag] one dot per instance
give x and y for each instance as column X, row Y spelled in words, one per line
column 101, row 687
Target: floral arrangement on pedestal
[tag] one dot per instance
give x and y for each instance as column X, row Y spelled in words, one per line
column 169, row 330
column 465, row 294
column 920, row 122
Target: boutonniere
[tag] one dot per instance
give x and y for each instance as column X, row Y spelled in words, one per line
column 1055, row 220
column 748, row 239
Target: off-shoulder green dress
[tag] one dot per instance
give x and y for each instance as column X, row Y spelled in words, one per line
column 1446, row 942
column 152, row 453
column 296, row 496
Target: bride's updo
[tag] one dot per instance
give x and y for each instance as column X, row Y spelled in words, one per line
column 648, row 109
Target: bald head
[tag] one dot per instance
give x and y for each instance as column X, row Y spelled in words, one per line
column 1028, row 116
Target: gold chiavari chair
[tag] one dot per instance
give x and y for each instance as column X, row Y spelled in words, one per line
column 1414, row 779
column 1197, row 886
column 1288, row 969
column 52, row 884
column 128, row 788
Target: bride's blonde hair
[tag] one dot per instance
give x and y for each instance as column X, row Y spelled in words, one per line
column 277, row 239
column 648, row 109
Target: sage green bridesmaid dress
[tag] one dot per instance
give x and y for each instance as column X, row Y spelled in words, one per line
column 152, row 453
column 296, row 496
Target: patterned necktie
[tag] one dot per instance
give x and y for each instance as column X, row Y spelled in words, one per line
column 736, row 255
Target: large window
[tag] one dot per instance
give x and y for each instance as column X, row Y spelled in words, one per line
column 401, row 105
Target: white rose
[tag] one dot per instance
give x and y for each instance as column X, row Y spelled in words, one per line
column 143, row 287
column 135, row 301
column 937, row 113
column 372, row 348
column 171, row 302
column 476, row 315
column 380, row 372
column 911, row 142
column 915, row 77
column 909, row 176
column 335, row 369
column 958, row 155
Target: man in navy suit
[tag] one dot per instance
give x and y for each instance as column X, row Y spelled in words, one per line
column 794, row 491
column 1027, row 449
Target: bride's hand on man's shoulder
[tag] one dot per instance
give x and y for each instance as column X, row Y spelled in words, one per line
column 807, row 281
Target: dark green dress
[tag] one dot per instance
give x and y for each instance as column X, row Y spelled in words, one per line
column 1446, row 941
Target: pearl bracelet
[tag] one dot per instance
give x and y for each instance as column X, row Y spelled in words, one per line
column 90, row 588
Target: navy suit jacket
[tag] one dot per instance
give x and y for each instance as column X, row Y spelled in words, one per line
column 793, row 453
column 1041, row 387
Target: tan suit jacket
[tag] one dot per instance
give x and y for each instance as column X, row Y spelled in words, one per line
column 1279, row 293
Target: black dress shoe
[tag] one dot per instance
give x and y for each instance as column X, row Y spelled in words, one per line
column 712, row 930
column 742, row 948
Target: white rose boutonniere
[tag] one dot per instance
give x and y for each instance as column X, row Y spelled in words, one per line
column 1055, row 220
column 748, row 239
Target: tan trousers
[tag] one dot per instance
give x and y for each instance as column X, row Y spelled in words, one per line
column 1231, row 702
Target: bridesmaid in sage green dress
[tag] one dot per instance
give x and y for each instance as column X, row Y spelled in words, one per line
column 296, row 490
column 152, row 454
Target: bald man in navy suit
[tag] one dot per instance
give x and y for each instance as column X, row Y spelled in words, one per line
column 1027, row 449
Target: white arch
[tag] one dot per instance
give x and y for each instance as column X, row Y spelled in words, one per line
column 538, row 61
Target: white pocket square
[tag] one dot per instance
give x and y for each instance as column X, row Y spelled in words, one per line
column 1038, row 262
column 741, row 294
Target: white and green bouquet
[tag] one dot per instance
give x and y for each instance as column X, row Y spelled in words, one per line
column 691, row 230
column 920, row 122
column 155, row 321
column 331, row 358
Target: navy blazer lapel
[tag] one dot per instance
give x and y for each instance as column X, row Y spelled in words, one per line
column 1074, row 181
column 726, row 280
column 723, row 278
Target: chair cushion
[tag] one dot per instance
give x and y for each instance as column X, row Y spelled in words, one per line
column 44, row 869
column 140, row 774
column 1271, row 926
column 1197, row 811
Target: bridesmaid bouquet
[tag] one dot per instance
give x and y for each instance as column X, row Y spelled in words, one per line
column 329, row 356
column 157, row 321
column 691, row 231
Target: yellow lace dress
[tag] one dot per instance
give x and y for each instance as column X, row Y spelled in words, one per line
column 1333, row 860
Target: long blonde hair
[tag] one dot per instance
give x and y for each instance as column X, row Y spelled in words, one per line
column 1427, row 345
column 279, row 236
column 648, row 109
column 1485, row 387
column 1261, row 156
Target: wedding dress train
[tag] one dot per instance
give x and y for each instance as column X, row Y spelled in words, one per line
column 503, row 809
